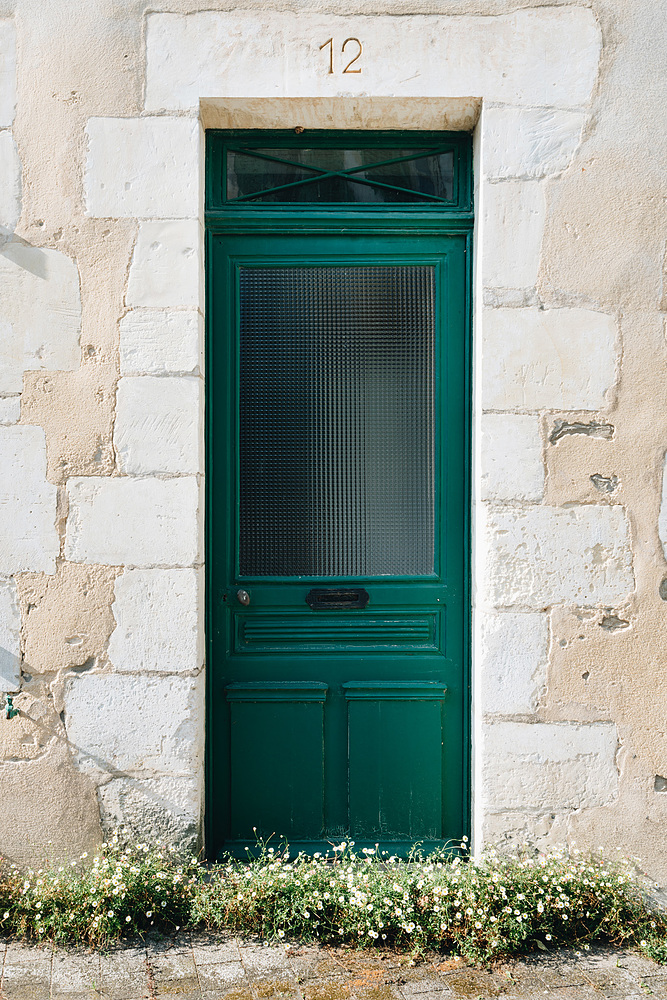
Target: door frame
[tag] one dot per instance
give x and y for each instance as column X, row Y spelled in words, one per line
column 291, row 219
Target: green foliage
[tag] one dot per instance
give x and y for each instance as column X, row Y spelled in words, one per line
column 120, row 893
column 478, row 908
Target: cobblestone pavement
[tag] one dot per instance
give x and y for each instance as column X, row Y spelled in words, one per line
column 212, row 968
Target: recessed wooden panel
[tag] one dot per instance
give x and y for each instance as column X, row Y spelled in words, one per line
column 277, row 759
column 287, row 632
column 395, row 760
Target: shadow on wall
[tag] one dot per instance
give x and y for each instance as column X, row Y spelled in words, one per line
column 23, row 254
column 10, row 671
column 36, row 751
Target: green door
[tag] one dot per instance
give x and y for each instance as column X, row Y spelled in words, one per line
column 337, row 531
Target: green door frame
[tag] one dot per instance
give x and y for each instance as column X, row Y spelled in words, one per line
column 312, row 220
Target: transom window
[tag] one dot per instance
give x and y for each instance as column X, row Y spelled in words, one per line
column 252, row 168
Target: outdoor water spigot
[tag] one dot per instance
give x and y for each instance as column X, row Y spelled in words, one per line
column 10, row 711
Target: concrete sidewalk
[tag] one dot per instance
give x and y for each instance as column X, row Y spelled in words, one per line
column 212, row 968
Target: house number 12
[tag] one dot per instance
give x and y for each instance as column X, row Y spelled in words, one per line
column 348, row 41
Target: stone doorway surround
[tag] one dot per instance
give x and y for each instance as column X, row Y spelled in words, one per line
column 524, row 83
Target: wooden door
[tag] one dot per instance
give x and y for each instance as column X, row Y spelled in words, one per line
column 338, row 539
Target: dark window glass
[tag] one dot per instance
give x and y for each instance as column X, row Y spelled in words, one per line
column 378, row 176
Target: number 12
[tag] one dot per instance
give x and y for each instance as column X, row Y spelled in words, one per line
column 352, row 61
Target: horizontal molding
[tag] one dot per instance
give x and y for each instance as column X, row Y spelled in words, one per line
column 394, row 691
column 277, row 691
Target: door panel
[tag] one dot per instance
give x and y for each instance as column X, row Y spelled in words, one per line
column 337, row 462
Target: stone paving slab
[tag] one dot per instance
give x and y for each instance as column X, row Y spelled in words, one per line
column 217, row 967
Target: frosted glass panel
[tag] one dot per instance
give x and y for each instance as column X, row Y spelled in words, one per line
column 336, row 421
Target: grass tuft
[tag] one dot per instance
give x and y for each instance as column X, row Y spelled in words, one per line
column 477, row 908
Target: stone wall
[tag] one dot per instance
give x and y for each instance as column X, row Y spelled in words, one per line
column 102, row 114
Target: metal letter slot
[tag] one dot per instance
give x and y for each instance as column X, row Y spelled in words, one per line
column 320, row 599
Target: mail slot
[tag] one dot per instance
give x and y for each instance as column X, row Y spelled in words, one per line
column 321, row 599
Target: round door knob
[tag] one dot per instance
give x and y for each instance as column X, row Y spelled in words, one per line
column 243, row 597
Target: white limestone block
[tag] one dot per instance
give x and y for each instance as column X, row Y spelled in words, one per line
column 549, row 766
column 512, row 463
column 539, row 556
column 40, row 308
column 529, row 57
column 28, row 536
column 141, row 725
column 529, row 142
column 146, row 168
column 10, row 181
column 553, row 359
column 133, row 522
column 157, row 614
column 7, row 72
column 514, row 660
column 10, row 637
column 167, row 809
column 165, row 268
column 10, row 409
column 512, row 227
column 157, row 342
column 158, row 425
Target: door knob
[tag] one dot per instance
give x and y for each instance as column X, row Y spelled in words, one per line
column 243, row 597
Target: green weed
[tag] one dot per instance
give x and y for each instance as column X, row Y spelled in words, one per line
column 477, row 908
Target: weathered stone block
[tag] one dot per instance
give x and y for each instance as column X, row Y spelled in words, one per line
column 514, row 661
column 529, row 142
column 512, row 226
column 49, row 810
column 165, row 268
column 10, row 410
column 10, row 181
column 166, row 809
column 159, row 425
column 158, row 616
column 28, row 536
column 533, row 57
column 545, row 555
column 133, row 522
column 544, row 766
column 547, row 359
column 7, row 72
column 67, row 616
column 512, row 463
column 40, row 307
column 141, row 725
column 10, row 637
column 155, row 342
column 76, row 411
column 147, row 168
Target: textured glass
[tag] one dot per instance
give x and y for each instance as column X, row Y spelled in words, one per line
column 353, row 175
column 336, row 421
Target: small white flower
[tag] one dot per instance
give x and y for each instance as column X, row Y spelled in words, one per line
column 149, row 913
column 110, row 913
column 127, row 919
column 281, row 934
